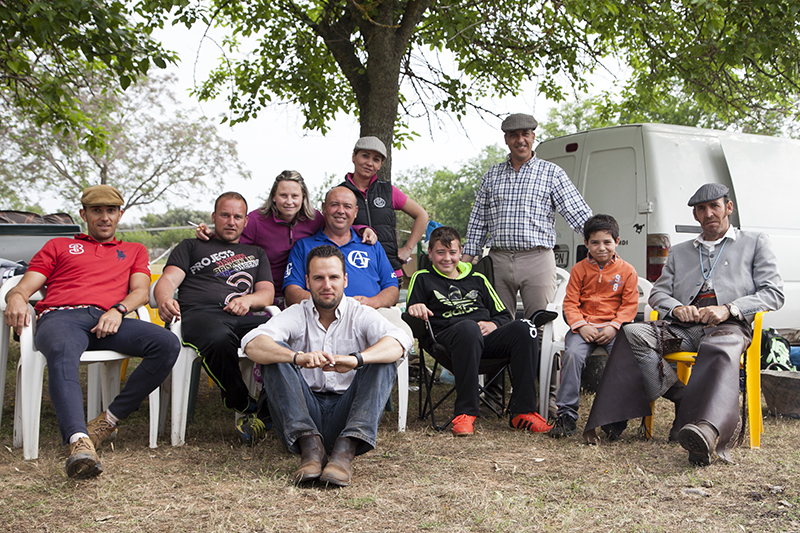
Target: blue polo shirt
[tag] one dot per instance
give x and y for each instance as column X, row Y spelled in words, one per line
column 367, row 267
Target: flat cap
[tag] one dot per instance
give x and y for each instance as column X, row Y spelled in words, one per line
column 101, row 195
column 519, row 121
column 371, row 143
column 708, row 193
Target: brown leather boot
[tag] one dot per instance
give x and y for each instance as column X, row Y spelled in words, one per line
column 340, row 468
column 312, row 458
column 700, row 440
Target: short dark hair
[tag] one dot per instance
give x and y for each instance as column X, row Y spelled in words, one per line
column 230, row 195
column 600, row 223
column 444, row 235
column 325, row 251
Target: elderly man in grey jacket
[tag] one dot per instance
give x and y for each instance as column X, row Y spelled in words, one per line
column 709, row 292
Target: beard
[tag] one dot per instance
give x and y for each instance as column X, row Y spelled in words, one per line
column 326, row 304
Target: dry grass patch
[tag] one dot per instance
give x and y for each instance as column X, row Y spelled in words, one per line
column 497, row 480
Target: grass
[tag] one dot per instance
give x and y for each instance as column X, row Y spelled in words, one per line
column 499, row 480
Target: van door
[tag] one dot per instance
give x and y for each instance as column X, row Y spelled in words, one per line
column 612, row 182
column 764, row 176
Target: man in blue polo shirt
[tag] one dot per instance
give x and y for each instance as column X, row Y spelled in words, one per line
column 371, row 279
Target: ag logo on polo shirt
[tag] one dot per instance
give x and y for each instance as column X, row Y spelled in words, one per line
column 358, row 259
column 76, row 249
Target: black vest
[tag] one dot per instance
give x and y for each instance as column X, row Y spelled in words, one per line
column 376, row 211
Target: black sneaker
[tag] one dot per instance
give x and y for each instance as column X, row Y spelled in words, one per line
column 615, row 430
column 564, row 426
column 251, row 428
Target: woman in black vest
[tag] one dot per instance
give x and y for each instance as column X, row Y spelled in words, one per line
column 377, row 201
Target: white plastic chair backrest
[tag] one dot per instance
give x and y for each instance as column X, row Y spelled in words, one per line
column 644, row 288
column 395, row 316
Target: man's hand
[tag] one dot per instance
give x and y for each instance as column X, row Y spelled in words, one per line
column 420, row 311
column 108, row 324
column 238, row 306
column 588, row 333
column 486, row 327
column 368, row 236
column 318, row 359
column 203, row 232
column 169, row 309
column 466, row 258
column 18, row 314
column 606, row 335
column 714, row 315
column 687, row 313
column 343, row 364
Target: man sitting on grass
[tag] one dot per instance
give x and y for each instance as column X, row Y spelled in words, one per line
column 328, row 365
column 469, row 319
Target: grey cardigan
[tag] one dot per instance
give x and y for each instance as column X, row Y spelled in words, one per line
column 746, row 275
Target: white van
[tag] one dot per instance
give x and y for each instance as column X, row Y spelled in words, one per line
column 644, row 175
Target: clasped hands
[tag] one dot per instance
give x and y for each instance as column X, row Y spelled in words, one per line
column 326, row 361
column 712, row 315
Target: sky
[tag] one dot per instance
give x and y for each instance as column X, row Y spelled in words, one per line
column 276, row 141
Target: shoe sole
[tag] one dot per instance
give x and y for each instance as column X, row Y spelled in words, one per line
column 693, row 441
column 463, row 433
column 83, row 467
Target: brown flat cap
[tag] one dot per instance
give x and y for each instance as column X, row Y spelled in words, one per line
column 101, row 195
column 707, row 193
column 519, row 121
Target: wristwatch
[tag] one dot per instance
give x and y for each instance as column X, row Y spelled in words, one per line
column 360, row 359
column 121, row 308
column 734, row 311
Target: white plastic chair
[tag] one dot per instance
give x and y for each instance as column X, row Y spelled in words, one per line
column 103, row 384
column 181, row 378
column 395, row 316
column 5, row 331
column 553, row 336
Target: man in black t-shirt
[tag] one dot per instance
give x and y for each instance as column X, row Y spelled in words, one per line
column 221, row 282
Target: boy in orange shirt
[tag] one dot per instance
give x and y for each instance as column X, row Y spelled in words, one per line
column 601, row 295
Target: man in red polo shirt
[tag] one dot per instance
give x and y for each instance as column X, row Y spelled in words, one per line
column 92, row 281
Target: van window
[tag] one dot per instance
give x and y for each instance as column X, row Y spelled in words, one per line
column 613, row 184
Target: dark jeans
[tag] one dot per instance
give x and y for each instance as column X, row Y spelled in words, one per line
column 467, row 346
column 62, row 336
column 298, row 411
column 216, row 336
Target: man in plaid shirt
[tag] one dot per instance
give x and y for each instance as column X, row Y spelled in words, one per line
column 514, row 215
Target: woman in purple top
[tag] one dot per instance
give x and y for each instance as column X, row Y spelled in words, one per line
column 285, row 218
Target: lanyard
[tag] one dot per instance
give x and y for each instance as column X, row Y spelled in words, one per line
column 700, row 252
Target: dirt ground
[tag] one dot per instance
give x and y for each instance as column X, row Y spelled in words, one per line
column 497, row 480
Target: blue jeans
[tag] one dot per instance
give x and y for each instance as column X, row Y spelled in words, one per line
column 576, row 350
column 62, row 336
column 298, row 411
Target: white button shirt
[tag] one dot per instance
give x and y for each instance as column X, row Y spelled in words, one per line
column 356, row 328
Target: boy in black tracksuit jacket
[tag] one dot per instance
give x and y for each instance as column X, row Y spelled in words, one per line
column 469, row 319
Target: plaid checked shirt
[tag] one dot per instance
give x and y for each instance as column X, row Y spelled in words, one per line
column 516, row 211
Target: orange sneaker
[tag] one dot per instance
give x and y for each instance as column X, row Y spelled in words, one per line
column 533, row 422
column 462, row 425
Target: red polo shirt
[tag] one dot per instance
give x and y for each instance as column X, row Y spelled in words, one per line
column 82, row 271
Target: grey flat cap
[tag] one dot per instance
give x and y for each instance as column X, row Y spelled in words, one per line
column 371, row 143
column 519, row 121
column 707, row 193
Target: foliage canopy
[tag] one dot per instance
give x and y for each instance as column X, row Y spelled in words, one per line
column 388, row 60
